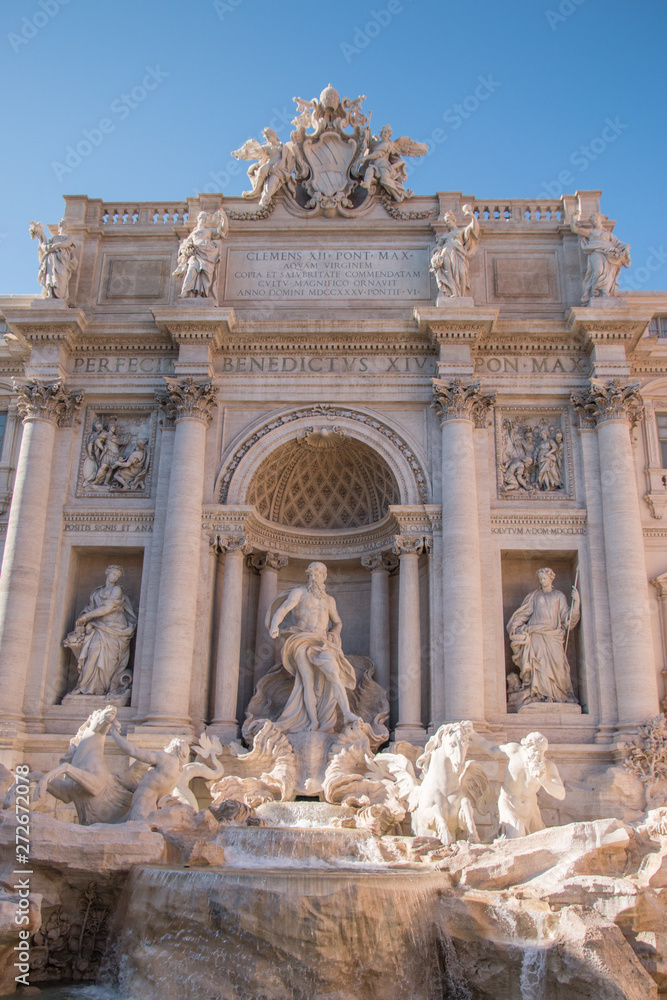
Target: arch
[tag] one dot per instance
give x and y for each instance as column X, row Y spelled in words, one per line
column 251, row 449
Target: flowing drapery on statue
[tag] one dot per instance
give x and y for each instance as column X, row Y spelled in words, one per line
column 101, row 639
column 312, row 654
column 537, row 633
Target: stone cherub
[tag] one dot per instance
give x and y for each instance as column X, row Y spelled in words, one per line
column 450, row 261
column 382, row 165
column 606, row 256
column 526, row 771
column 537, row 631
column 57, row 260
column 199, row 253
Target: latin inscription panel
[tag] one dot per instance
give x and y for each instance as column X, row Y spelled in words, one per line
column 332, row 274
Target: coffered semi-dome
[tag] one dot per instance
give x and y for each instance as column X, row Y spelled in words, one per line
column 323, row 479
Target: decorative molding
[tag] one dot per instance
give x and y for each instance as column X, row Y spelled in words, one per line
column 46, row 401
column 331, row 412
column 457, row 400
column 107, row 521
column 516, row 458
column 538, row 522
column 657, row 503
column 187, row 399
column 614, row 399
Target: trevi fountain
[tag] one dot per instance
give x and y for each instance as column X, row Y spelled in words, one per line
column 333, row 604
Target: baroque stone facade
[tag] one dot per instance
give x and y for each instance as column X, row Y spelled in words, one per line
column 320, row 375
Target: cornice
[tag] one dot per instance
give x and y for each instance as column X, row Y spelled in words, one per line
column 603, row 325
column 455, row 323
column 46, row 324
column 188, row 324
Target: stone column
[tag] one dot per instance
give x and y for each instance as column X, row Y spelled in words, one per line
column 190, row 404
column 660, row 584
column 461, row 407
column 380, row 565
column 226, row 685
column 43, row 407
column 408, row 548
column 613, row 406
column 268, row 564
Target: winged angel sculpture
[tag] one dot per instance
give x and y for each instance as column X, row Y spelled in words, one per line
column 443, row 797
column 332, row 162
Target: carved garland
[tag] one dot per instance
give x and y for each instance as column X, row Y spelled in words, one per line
column 332, row 412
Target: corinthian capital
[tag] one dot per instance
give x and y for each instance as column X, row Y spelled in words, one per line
column 231, row 543
column 612, row 400
column 411, row 545
column 270, row 560
column 46, row 401
column 187, row 398
column 457, row 400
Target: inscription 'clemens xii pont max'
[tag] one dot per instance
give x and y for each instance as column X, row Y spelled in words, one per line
column 328, row 274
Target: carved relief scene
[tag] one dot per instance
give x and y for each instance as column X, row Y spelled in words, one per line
column 533, row 455
column 117, row 452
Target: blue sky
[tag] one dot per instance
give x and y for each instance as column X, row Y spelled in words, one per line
column 509, row 95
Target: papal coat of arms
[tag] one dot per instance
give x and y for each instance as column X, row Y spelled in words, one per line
column 332, row 162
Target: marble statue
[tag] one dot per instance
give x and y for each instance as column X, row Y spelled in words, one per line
column 199, row 253
column 312, row 654
column 276, row 162
column 537, row 631
column 450, row 262
column 57, row 260
column 107, row 446
column 526, row 771
column 162, row 777
column 606, row 256
column 101, row 639
column 382, row 164
column 83, row 777
column 130, row 473
column 94, row 449
column 443, row 797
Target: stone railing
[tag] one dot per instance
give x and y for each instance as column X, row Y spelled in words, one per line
column 516, row 210
column 164, row 213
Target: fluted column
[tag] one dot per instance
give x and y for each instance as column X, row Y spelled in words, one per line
column 268, row 564
column 612, row 406
column 461, row 407
column 227, row 663
column 408, row 548
column 43, row 407
column 189, row 403
column 380, row 565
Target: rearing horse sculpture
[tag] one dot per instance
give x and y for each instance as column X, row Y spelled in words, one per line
column 443, row 798
column 82, row 776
